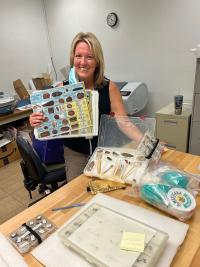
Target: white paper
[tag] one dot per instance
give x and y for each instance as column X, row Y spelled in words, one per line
column 9, row 256
column 52, row 249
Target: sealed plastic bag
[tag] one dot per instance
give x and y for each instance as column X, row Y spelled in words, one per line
column 168, row 188
column 176, row 201
column 172, row 175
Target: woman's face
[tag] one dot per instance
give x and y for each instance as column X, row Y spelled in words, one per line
column 84, row 62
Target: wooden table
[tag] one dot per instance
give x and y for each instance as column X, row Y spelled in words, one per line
column 75, row 191
column 14, row 116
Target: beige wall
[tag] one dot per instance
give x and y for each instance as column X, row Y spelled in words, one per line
column 24, row 50
column 151, row 43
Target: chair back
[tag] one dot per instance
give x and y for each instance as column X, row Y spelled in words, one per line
column 32, row 161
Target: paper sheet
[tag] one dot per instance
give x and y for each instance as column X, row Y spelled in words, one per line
column 51, row 250
column 9, row 257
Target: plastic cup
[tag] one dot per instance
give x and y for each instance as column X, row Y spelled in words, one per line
column 178, row 104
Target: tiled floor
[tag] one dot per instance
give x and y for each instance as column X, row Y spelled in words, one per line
column 13, row 196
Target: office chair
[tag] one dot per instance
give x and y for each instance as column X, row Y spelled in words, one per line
column 35, row 172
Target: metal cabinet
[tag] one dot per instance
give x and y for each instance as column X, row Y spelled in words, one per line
column 194, row 143
column 174, row 129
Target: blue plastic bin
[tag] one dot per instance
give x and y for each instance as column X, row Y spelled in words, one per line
column 49, row 151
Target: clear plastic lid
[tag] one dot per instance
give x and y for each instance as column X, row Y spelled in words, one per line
column 114, row 131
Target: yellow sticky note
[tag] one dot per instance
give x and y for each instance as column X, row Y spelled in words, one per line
column 133, row 241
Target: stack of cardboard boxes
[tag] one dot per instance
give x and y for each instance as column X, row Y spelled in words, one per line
column 8, row 151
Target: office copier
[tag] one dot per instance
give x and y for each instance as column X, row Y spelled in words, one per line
column 134, row 95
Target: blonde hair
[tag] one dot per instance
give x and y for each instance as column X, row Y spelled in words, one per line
column 97, row 51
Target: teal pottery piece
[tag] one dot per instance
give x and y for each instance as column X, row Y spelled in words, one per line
column 175, row 178
column 155, row 194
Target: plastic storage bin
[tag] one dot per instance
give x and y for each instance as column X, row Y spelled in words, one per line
column 49, row 151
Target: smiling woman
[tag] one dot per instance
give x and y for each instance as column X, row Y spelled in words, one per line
column 87, row 59
column 87, row 55
column 85, row 64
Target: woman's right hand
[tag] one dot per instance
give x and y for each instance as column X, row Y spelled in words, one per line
column 36, row 118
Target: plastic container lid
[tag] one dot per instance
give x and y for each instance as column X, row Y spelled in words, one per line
column 110, row 135
column 181, row 199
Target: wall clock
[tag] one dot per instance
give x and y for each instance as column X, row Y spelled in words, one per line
column 112, row 19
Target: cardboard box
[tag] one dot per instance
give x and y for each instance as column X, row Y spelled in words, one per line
column 21, row 89
column 9, row 153
column 42, row 82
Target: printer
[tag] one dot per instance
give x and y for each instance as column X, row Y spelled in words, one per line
column 134, row 95
column 7, row 104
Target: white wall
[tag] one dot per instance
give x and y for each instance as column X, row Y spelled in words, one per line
column 24, row 50
column 151, row 43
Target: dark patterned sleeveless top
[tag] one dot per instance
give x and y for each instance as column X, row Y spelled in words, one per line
column 82, row 144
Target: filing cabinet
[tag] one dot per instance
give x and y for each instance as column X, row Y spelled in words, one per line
column 194, row 147
column 174, row 129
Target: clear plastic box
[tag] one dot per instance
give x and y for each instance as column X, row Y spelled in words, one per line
column 119, row 157
column 104, row 228
column 31, row 233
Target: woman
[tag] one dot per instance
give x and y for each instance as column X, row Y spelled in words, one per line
column 87, row 59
